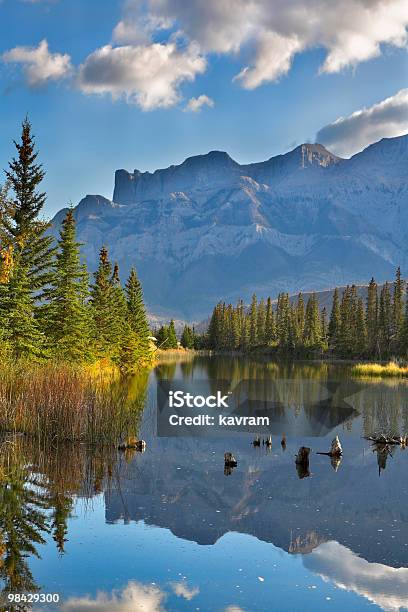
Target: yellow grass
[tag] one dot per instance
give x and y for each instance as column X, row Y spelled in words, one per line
column 57, row 401
column 379, row 370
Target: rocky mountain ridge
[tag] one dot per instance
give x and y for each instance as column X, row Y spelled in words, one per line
column 211, row 229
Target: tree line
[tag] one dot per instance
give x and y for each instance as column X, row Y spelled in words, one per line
column 49, row 307
column 373, row 328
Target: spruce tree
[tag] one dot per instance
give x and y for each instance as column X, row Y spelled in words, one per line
column 67, row 316
column 270, row 331
column 398, row 310
column 335, row 322
column 102, row 307
column 136, row 309
column 187, row 337
column 172, row 337
column 32, row 250
column 372, row 318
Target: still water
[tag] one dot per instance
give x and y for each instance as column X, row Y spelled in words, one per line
column 168, row 530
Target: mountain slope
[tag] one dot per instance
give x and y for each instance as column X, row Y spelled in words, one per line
column 211, row 229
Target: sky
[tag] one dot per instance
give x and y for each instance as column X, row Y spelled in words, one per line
column 146, row 83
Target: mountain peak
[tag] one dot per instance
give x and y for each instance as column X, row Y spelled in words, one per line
column 316, row 154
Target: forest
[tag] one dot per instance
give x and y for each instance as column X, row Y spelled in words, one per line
column 50, row 309
column 355, row 328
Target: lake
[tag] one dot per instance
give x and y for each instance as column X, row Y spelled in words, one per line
column 170, row 529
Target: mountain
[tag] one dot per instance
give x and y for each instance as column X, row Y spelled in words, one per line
column 211, row 229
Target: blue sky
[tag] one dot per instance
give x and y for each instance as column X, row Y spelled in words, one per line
column 115, row 84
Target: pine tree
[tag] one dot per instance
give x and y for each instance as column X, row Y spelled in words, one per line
column 253, row 322
column 398, row 310
column 67, row 316
column 335, row 322
column 32, row 250
column 372, row 318
column 119, row 312
column 270, row 331
column 261, row 322
column 102, row 307
column 360, row 341
column 187, row 337
column 172, row 337
column 136, row 309
column 313, row 332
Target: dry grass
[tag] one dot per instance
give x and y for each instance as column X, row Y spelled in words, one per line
column 61, row 402
column 378, row 370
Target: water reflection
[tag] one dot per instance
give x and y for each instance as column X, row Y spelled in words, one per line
column 344, row 523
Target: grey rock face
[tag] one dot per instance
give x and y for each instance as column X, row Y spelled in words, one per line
column 211, row 229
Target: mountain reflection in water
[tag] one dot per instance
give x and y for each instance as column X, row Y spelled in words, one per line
column 179, row 534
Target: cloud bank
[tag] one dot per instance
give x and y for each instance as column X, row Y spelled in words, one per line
column 386, row 119
column 271, row 33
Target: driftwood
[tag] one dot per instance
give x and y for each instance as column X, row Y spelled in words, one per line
column 383, row 439
column 302, row 462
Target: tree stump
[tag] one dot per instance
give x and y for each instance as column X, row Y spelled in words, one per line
column 230, row 460
column 336, row 449
column 302, row 462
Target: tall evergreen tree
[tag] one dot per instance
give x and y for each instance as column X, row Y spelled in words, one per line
column 372, row 318
column 398, row 310
column 102, row 307
column 172, row 342
column 335, row 321
column 67, row 316
column 32, row 249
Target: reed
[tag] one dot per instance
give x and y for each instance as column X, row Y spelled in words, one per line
column 62, row 402
column 379, row 370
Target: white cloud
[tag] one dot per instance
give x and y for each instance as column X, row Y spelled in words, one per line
column 147, row 75
column 135, row 597
column 348, row 135
column 385, row 586
column 195, row 105
column 271, row 32
column 273, row 59
column 39, row 65
column 181, row 589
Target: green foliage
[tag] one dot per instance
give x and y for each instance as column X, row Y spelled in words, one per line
column 66, row 315
column 47, row 308
column 187, row 339
column 378, row 328
column 23, row 234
